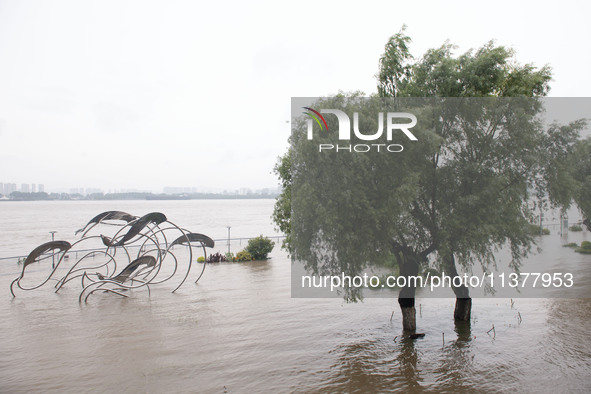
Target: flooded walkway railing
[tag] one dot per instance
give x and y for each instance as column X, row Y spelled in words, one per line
column 222, row 242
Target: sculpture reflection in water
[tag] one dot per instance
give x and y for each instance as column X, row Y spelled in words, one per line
column 110, row 264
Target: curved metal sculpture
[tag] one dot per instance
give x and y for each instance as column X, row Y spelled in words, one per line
column 153, row 264
column 109, row 215
column 37, row 255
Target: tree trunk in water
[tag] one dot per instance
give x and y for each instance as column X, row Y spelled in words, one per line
column 462, row 328
column 406, row 297
column 463, row 307
column 409, row 314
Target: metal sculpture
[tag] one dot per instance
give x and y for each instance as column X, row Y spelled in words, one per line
column 153, row 264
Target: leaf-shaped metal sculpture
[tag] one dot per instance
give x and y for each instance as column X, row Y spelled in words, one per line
column 154, row 217
column 62, row 246
column 108, row 215
column 35, row 255
column 146, row 261
column 106, row 240
column 194, row 237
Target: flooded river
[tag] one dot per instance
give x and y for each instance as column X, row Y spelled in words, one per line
column 239, row 331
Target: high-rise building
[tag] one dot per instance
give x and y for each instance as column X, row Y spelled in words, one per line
column 33, row 188
column 41, row 188
column 25, row 188
column 9, row 188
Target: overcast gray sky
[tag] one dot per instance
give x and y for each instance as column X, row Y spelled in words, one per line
column 146, row 94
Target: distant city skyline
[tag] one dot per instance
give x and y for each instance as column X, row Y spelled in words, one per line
column 7, row 188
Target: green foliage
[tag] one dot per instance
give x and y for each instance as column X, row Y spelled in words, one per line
column 394, row 64
column 567, row 168
column 230, row 256
column 575, row 228
column 489, row 71
column 581, row 172
column 387, row 260
column 259, row 247
column 430, row 272
column 24, row 196
column 534, row 229
column 573, row 180
column 571, row 245
column 459, row 195
column 282, row 209
column 243, row 256
column 585, row 248
column 201, row 259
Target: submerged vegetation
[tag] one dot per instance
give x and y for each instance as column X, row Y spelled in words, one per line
column 216, row 258
column 535, row 229
column 243, row 256
column 257, row 249
column 585, row 248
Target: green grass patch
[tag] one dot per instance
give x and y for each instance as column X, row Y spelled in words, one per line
column 585, row 248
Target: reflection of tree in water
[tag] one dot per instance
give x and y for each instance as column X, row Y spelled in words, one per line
column 375, row 365
column 457, row 360
column 379, row 365
column 407, row 359
column 405, row 364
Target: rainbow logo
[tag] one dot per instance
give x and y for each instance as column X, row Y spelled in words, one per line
column 316, row 115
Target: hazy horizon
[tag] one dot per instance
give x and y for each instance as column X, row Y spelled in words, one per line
column 145, row 94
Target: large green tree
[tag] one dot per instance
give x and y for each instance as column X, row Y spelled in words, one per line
column 454, row 198
column 487, row 166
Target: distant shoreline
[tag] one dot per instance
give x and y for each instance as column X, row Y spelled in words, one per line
column 42, row 196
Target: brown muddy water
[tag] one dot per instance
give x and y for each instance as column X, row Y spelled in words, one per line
column 239, row 331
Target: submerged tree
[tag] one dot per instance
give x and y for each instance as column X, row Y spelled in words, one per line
column 349, row 211
column 582, row 174
column 455, row 197
column 569, row 177
column 478, row 174
column 476, row 194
